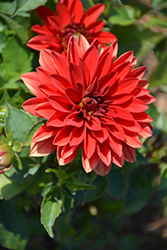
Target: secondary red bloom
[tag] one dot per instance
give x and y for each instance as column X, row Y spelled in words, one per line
column 90, row 101
column 69, row 20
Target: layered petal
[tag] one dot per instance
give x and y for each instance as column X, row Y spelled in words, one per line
column 68, row 20
column 90, row 101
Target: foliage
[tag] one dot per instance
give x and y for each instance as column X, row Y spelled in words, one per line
column 76, row 209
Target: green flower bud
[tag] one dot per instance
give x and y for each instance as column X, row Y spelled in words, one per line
column 6, row 157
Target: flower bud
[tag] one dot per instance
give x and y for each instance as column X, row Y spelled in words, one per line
column 6, row 157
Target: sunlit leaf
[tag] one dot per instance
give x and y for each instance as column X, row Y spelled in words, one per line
column 50, row 210
column 19, row 123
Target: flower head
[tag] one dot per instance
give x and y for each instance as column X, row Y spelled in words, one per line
column 70, row 20
column 90, row 101
column 6, row 157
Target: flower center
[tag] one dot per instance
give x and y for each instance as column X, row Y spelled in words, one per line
column 92, row 106
column 71, row 30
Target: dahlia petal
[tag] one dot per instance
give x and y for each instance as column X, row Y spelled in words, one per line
column 126, row 86
column 136, row 105
column 76, row 74
column 36, row 43
column 132, row 126
column 107, row 120
column 147, row 99
column 44, row 133
column 133, row 63
column 89, row 145
column 143, row 84
column 92, row 14
column 102, row 169
column 44, row 110
column 43, row 75
column 108, row 79
column 85, row 72
column 146, row 132
column 77, row 136
column 41, row 29
column 60, row 82
column 133, row 141
column 115, row 145
column 89, row 164
column 60, row 64
column 104, row 65
column 74, row 119
column 122, row 113
column 48, row 90
column 66, row 154
column 93, row 124
column 95, row 26
column 104, row 152
column 73, row 95
column 138, row 73
column 68, row 151
column 42, row 148
column 106, row 37
column 55, row 23
column 81, row 89
column 117, row 131
column 83, row 44
column 45, row 61
column 120, row 99
column 63, row 136
column 31, row 104
column 100, row 135
column 117, row 160
column 122, row 70
column 44, row 12
column 142, row 117
column 126, row 57
column 57, row 119
column 129, row 153
column 77, row 8
column 60, row 103
column 138, row 92
column 63, row 13
column 91, row 59
column 32, row 81
column 73, row 51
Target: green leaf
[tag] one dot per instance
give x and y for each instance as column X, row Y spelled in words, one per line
column 32, row 131
column 18, row 29
column 8, row 188
column 141, row 40
column 163, row 183
column 139, row 190
column 27, row 5
column 8, row 6
column 116, row 183
column 16, row 57
column 13, row 226
column 50, row 210
column 3, row 41
column 101, row 183
column 6, row 100
column 161, row 123
column 122, row 15
column 66, row 201
column 78, row 185
column 18, row 162
column 160, row 74
column 19, row 123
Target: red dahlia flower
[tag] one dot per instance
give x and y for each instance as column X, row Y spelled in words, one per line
column 69, row 20
column 90, row 101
